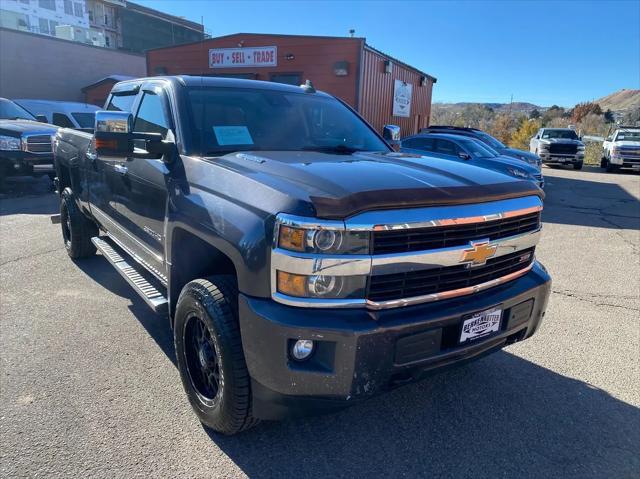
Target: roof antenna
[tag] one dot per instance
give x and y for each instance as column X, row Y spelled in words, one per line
column 352, row 32
column 308, row 87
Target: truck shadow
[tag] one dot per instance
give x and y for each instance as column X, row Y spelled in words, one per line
column 100, row 271
column 502, row 416
column 499, row 416
column 577, row 201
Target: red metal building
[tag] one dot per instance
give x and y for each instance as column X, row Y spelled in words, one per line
column 383, row 89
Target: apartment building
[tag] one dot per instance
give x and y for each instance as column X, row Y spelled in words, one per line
column 116, row 24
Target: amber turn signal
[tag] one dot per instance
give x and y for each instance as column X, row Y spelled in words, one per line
column 291, row 238
column 292, row 284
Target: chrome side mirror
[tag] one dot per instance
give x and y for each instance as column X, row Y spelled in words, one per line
column 114, row 122
column 391, row 133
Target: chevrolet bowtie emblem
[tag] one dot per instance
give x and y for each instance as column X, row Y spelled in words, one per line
column 478, row 254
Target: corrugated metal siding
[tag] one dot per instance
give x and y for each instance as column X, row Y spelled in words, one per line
column 376, row 96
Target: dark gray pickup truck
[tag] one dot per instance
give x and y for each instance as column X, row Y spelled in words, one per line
column 304, row 265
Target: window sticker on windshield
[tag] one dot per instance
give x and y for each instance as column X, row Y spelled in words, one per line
column 232, row 135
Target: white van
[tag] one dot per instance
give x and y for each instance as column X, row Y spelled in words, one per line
column 67, row 114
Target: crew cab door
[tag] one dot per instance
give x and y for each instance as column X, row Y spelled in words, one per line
column 143, row 185
column 103, row 173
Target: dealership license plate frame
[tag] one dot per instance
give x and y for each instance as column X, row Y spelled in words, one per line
column 494, row 328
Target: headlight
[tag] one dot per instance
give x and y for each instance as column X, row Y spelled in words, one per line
column 580, row 147
column 322, row 241
column 518, row 173
column 10, row 143
column 321, row 286
column 544, row 146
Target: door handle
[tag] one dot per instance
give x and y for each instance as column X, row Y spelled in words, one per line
column 121, row 169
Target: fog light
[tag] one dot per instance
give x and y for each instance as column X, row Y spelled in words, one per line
column 302, row 349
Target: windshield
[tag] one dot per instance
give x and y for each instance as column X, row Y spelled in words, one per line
column 628, row 135
column 85, row 120
column 491, row 141
column 564, row 134
column 11, row 111
column 224, row 120
column 479, row 150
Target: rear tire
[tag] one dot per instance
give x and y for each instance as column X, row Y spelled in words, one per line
column 77, row 229
column 578, row 166
column 210, row 356
column 612, row 168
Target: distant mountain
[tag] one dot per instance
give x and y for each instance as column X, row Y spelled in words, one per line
column 620, row 100
column 515, row 107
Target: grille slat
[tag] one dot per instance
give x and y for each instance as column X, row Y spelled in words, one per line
column 417, row 283
column 419, row 239
column 563, row 148
column 39, row 144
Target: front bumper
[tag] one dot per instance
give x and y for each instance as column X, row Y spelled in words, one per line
column 560, row 159
column 360, row 352
column 18, row 163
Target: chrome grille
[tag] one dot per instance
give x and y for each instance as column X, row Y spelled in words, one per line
column 38, row 144
column 403, row 241
column 389, row 287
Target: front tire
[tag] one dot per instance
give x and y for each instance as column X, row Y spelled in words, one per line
column 578, row 166
column 210, row 356
column 77, row 229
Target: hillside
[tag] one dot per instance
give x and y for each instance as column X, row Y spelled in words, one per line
column 620, row 100
column 514, row 107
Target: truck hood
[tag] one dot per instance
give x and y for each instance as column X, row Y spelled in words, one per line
column 339, row 186
column 627, row 143
column 16, row 128
column 564, row 141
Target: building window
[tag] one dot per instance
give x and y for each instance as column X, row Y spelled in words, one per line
column 48, row 4
column 68, row 7
column 77, row 10
column 286, row 78
column 107, row 41
column 26, row 2
column 43, row 26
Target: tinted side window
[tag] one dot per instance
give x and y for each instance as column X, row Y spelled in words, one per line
column 425, row 144
column 150, row 117
column 60, row 119
column 121, row 103
column 447, row 147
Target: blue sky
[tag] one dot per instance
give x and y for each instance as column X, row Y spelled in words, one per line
column 544, row 52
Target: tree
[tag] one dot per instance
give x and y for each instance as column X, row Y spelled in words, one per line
column 503, row 127
column 608, row 116
column 551, row 114
column 534, row 114
column 632, row 117
column 522, row 136
column 583, row 109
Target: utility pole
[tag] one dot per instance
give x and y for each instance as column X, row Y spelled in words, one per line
column 511, row 104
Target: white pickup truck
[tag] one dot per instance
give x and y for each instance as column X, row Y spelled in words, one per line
column 621, row 149
column 558, row 146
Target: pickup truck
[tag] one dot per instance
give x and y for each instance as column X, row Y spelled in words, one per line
column 25, row 143
column 304, row 265
column 621, row 149
column 558, row 146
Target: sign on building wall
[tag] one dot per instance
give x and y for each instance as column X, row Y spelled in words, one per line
column 243, row 57
column 402, row 98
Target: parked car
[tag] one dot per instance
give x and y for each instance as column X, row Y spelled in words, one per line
column 466, row 149
column 487, row 139
column 25, row 144
column 66, row 114
column 558, row 146
column 621, row 149
column 304, row 265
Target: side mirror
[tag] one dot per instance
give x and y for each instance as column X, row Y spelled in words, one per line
column 113, row 133
column 391, row 133
column 42, row 118
column 464, row 156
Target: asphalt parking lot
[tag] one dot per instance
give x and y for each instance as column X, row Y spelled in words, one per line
column 89, row 386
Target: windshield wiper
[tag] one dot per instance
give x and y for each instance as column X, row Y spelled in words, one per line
column 337, row 149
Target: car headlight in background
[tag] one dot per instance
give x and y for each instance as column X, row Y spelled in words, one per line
column 10, row 143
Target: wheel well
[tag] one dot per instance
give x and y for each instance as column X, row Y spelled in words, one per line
column 192, row 258
column 64, row 177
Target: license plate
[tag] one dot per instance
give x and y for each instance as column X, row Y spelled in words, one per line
column 481, row 324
